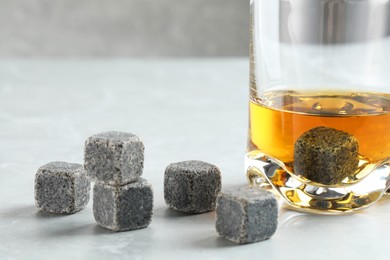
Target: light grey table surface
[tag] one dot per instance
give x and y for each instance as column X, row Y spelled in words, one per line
column 182, row 109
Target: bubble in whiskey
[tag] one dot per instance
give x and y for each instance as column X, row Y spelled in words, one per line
column 326, row 155
column 344, row 108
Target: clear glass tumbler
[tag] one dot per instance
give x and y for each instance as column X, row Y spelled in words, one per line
column 319, row 110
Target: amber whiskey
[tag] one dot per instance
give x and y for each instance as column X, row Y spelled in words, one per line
column 278, row 120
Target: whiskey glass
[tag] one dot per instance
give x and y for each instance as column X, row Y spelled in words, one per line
column 319, row 108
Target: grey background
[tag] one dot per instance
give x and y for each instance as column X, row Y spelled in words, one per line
column 123, row 28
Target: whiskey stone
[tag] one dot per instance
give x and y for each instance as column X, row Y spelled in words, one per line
column 123, row 208
column 114, row 158
column 61, row 187
column 191, row 186
column 326, row 155
column 246, row 214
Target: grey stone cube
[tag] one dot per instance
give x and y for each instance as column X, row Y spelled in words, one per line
column 114, row 158
column 326, row 155
column 123, row 208
column 246, row 214
column 61, row 187
column 192, row 186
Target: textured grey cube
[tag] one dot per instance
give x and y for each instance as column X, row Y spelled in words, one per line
column 114, row 158
column 192, row 186
column 246, row 214
column 61, row 187
column 122, row 208
column 326, row 155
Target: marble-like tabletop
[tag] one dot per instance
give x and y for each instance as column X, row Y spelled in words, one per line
column 182, row 109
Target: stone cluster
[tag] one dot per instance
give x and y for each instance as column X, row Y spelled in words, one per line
column 122, row 200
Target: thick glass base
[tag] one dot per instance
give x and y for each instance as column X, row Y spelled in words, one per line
column 303, row 195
